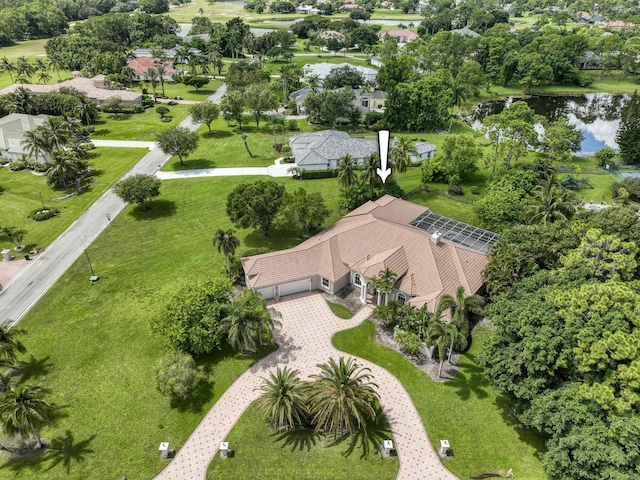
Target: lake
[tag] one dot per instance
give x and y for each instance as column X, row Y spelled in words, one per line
column 596, row 115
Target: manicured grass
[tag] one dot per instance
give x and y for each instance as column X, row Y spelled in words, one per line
column 184, row 91
column 20, row 196
column 273, row 66
column 340, row 311
column 465, row 410
column 137, row 126
column 30, row 48
column 92, row 345
column 263, row 453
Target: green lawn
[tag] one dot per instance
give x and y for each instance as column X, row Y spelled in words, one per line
column 137, row 126
column 465, row 410
column 92, row 345
column 30, row 48
column 340, row 311
column 20, row 196
column 273, row 66
column 186, row 92
column 263, row 453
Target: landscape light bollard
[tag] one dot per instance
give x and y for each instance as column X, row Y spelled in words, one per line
column 164, row 451
column 224, row 450
column 445, row 449
column 43, row 207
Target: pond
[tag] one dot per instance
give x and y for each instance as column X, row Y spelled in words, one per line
column 596, row 115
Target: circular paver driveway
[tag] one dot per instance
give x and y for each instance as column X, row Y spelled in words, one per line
column 305, row 341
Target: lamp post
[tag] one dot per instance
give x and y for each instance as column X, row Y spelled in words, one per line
column 89, row 261
column 43, row 207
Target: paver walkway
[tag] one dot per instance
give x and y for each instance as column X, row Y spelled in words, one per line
column 305, row 341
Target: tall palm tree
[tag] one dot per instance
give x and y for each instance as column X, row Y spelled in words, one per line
column 283, row 399
column 370, row 173
column 22, row 101
column 552, row 203
column 347, row 176
column 10, row 346
column 342, row 397
column 226, row 243
column 440, row 334
column 41, row 65
column 64, row 168
column 36, row 142
column 244, row 137
column 461, row 308
column 241, row 329
column 24, row 68
column 459, row 95
column 43, row 76
column 401, row 153
column 57, row 131
column 7, row 66
column 152, row 76
column 162, row 71
column 56, row 60
column 23, row 409
column 85, row 110
column 314, row 82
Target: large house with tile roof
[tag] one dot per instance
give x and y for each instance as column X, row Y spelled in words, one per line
column 323, row 150
column 430, row 255
column 13, row 128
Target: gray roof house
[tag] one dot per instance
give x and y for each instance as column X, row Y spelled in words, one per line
column 365, row 101
column 324, row 69
column 12, row 130
column 323, row 150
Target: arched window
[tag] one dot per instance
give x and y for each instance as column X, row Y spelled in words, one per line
column 357, row 280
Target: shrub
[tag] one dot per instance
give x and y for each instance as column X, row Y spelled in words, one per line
column 409, row 342
column 474, row 190
column 433, row 170
column 4, row 161
column 38, row 166
column 286, row 150
column 177, row 375
column 277, row 147
column 17, row 165
column 172, row 103
column 392, row 188
column 40, row 214
column 137, row 109
column 315, row 174
column 631, row 185
column 455, row 190
column 249, row 252
column 292, row 125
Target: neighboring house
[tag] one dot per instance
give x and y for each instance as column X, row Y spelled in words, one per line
column 619, row 25
column 96, row 88
column 376, row 61
column 307, row 9
column 332, row 34
column 401, row 36
column 203, row 36
column 142, row 64
column 12, row 131
column 590, row 61
column 170, row 53
column 324, row 69
column 430, row 255
column 323, row 150
column 365, row 101
column 348, row 6
column 467, row 32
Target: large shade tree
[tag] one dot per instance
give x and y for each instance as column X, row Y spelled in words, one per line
column 255, row 204
column 178, row 141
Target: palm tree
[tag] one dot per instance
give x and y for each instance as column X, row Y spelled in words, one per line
column 370, row 173
column 57, row 131
column 7, row 66
column 44, row 76
column 226, row 243
column 552, row 203
column 14, row 234
column 22, row 101
column 64, row 168
column 283, row 399
column 24, row 68
column 244, row 137
column 241, row 329
column 459, row 95
column 85, row 110
column 347, row 172
column 314, row 82
column 36, row 142
column 401, row 153
column 461, row 307
column 56, row 60
column 343, row 397
column 162, row 71
column 383, row 283
column 23, row 409
column 129, row 75
column 440, row 334
column 152, row 76
column 10, row 346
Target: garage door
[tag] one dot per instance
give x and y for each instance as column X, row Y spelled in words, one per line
column 267, row 293
column 294, row 287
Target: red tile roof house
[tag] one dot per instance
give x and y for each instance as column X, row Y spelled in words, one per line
column 140, row 66
column 431, row 256
column 401, row 36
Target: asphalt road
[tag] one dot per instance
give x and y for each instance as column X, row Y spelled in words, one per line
column 34, row 281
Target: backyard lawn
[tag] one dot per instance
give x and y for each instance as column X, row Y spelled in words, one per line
column 20, row 196
column 186, row 92
column 92, row 344
column 465, row 410
column 263, row 453
column 137, row 126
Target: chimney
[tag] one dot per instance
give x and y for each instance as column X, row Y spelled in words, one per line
column 435, row 237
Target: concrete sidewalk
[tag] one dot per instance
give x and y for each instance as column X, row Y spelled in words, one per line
column 275, row 170
column 124, row 144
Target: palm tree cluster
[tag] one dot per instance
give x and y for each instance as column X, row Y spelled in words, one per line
column 23, row 408
column 24, row 70
column 341, row 399
column 551, row 203
column 62, row 139
column 433, row 328
column 360, row 183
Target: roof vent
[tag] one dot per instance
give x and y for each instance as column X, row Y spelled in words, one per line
column 435, row 237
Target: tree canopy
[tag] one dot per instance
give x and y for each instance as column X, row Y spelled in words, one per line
column 255, row 204
column 138, row 189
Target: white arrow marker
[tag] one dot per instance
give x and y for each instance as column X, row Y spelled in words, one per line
column 383, row 144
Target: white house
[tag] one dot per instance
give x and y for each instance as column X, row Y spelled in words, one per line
column 324, row 69
column 12, row 132
column 307, row 9
column 323, row 150
column 364, row 101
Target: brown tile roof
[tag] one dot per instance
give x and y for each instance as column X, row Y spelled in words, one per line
column 140, row 65
column 375, row 236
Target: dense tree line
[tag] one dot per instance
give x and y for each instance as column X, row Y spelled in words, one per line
column 38, row 19
column 565, row 347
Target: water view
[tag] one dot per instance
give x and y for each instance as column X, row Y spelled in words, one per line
column 597, row 115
